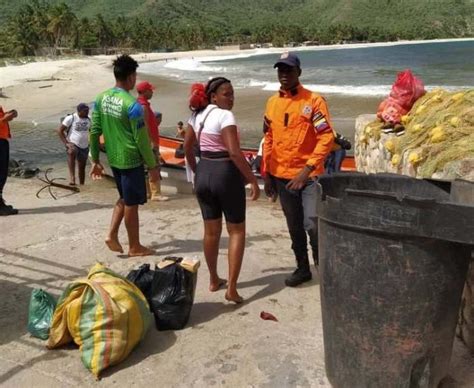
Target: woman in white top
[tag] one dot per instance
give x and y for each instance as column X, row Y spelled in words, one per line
column 221, row 175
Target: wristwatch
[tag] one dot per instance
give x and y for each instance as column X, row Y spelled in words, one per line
column 310, row 167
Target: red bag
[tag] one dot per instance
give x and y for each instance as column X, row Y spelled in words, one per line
column 390, row 111
column 405, row 91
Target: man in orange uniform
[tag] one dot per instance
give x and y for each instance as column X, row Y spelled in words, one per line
column 298, row 138
column 5, row 117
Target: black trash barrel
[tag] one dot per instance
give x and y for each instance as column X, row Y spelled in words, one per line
column 394, row 253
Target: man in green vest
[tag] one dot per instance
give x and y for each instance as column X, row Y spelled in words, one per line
column 118, row 117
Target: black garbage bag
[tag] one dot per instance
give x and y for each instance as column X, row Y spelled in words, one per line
column 143, row 279
column 172, row 295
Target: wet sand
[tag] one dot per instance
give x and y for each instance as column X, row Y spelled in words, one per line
column 42, row 92
column 171, row 99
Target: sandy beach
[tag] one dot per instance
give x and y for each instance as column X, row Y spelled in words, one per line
column 42, row 90
column 45, row 91
column 53, row 242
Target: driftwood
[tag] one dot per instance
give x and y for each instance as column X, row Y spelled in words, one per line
column 51, row 183
column 47, row 79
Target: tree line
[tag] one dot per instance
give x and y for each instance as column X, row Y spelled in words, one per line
column 185, row 25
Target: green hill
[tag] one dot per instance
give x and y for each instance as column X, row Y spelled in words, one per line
column 158, row 24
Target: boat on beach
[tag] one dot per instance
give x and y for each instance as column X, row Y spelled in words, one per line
column 169, row 145
column 174, row 169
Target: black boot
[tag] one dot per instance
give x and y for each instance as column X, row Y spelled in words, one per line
column 6, row 210
column 302, row 274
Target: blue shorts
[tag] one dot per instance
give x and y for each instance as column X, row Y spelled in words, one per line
column 131, row 185
column 81, row 153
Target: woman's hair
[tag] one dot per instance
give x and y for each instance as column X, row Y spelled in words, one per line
column 201, row 94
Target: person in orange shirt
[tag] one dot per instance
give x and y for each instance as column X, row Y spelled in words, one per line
column 5, row 118
column 153, row 121
column 298, row 138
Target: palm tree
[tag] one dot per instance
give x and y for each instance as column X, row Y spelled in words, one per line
column 61, row 22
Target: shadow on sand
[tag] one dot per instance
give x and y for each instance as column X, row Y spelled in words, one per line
column 77, row 208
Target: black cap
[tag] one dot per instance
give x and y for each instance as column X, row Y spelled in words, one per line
column 288, row 59
column 82, row 106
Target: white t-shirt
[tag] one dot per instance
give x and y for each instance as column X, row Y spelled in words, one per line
column 211, row 134
column 78, row 130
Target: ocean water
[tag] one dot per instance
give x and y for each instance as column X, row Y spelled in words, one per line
column 358, row 70
column 354, row 79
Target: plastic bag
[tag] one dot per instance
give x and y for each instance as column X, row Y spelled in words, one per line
column 104, row 314
column 173, row 289
column 405, row 91
column 143, row 279
column 40, row 313
column 391, row 111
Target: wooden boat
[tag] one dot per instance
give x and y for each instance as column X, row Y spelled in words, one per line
column 173, row 168
column 168, row 146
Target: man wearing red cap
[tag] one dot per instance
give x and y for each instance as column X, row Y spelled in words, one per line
column 145, row 93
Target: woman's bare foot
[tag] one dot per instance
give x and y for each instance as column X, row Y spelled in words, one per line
column 233, row 297
column 114, row 245
column 217, row 285
column 140, row 251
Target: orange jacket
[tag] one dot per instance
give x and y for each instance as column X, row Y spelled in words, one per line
column 4, row 127
column 298, row 133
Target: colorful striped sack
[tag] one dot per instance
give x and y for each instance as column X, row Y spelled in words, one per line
column 105, row 314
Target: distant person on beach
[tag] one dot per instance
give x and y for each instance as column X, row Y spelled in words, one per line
column 74, row 133
column 298, row 138
column 119, row 118
column 221, row 175
column 180, row 131
column 5, row 134
column 153, row 121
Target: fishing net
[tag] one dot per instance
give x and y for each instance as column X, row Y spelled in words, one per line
column 439, row 129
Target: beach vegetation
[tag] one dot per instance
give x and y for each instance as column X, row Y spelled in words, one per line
column 28, row 27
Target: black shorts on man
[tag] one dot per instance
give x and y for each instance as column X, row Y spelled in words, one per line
column 131, row 185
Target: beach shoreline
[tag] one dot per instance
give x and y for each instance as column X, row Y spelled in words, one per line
column 43, row 92
column 53, row 242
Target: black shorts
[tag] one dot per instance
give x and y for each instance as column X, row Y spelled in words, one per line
column 220, row 188
column 131, row 185
column 81, row 153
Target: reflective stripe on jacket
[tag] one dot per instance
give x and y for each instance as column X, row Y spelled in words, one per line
column 298, row 132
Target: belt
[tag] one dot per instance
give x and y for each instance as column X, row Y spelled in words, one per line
column 216, row 159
